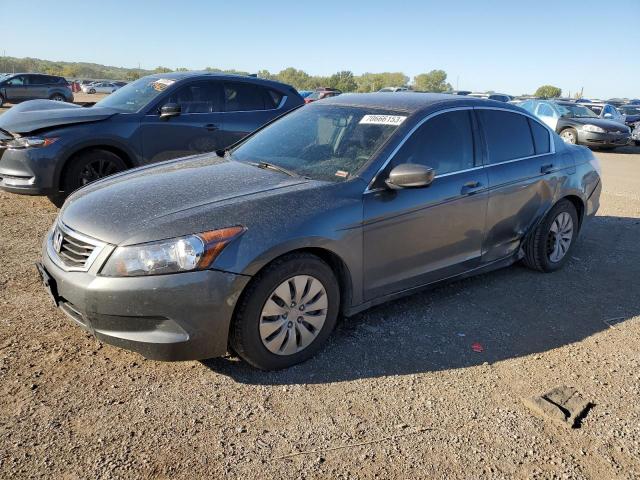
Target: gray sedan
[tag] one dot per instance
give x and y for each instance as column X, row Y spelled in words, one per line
column 329, row 210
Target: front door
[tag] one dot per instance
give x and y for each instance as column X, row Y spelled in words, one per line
column 415, row 236
column 198, row 128
column 15, row 89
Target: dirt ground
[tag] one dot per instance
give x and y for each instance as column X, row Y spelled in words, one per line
column 398, row 393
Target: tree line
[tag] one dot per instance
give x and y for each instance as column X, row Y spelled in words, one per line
column 347, row 81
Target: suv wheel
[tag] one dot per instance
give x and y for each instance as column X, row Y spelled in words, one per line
column 92, row 90
column 90, row 166
column 286, row 313
column 1, row 100
column 56, row 97
column 549, row 246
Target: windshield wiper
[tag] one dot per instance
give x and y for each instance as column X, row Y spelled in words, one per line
column 277, row 168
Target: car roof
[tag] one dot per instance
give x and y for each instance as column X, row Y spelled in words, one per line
column 413, row 102
column 179, row 76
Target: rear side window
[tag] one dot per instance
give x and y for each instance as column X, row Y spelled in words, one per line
column 244, row 97
column 507, row 134
column 540, row 137
column 37, row 80
column 273, row 99
column 444, row 143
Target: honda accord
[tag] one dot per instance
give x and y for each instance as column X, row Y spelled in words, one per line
column 327, row 211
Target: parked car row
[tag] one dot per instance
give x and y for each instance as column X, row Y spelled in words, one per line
column 578, row 124
column 326, row 211
column 100, row 87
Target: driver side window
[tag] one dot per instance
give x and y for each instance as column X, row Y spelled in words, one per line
column 444, row 143
column 201, row 97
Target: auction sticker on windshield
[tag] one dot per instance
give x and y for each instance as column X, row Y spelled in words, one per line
column 162, row 83
column 382, row 120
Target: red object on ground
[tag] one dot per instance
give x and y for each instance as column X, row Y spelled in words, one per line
column 476, row 347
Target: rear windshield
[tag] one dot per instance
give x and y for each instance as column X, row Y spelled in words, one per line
column 323, row 142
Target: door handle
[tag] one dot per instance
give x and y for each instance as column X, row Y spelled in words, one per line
column 211, row 127
column 470, row 187
column 544, row 169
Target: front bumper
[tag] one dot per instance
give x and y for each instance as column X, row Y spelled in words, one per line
column 184, row 316
column 603, row 139
column 29, row 171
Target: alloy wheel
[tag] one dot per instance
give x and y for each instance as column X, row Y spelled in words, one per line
column 293, row 315
column 560, row 236
column 96, row 170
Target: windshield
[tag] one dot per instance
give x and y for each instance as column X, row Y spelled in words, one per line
column 575, row 111
column 322, row 142
column 136, row 95
column 630, row 110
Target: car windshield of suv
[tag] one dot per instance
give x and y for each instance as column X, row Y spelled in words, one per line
column 575, row 111
column 136, row 95
column 322, row 142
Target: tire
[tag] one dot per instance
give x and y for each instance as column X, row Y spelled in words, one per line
column 57, row 199
column 1, row 101
column 56, row 97
column 569, row 135
column 88, row 167
column 539, row 248
column 246, row 335
column 93, row 90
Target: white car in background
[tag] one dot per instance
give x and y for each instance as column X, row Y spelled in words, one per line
column 100, row 87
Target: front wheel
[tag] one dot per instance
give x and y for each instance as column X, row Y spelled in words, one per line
column 548, row 247
column 286, row 313
column 569, row 135
column 90, row 166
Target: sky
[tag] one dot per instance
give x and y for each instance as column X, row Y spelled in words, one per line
column 507, row 46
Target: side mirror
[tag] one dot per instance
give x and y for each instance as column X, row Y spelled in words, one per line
column 170, row 110
column 410, row 175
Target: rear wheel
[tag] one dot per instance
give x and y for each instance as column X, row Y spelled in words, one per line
column 286, row 313
column 56, row 97
column 92, row 90
column 548, row 247
column 569, row 135
column 90, row 166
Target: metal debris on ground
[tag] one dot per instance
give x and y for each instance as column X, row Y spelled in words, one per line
column 562, row 405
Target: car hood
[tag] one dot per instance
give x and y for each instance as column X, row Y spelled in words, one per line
column 607, row 125
column 36, row 115
column 170, row 199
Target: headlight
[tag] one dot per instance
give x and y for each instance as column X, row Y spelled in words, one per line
column 593, row 128
column 29, row 142
column 182, row 254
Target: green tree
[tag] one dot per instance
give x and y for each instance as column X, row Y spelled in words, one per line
column 434, row 81
column 344, row 81
column 133, row 75
column 548, row 91
column 297, row 78
column 162, row 70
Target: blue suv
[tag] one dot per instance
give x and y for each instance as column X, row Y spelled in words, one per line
column 50, row 148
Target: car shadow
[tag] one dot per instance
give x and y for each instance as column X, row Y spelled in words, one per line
column 510, row 313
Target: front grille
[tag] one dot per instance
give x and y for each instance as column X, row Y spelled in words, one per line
column 74, row 251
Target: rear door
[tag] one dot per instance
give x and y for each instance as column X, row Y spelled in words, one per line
column 247, row 107
column 414, row 236
column 522, row 170
column 198, row 129
column 37, row 86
